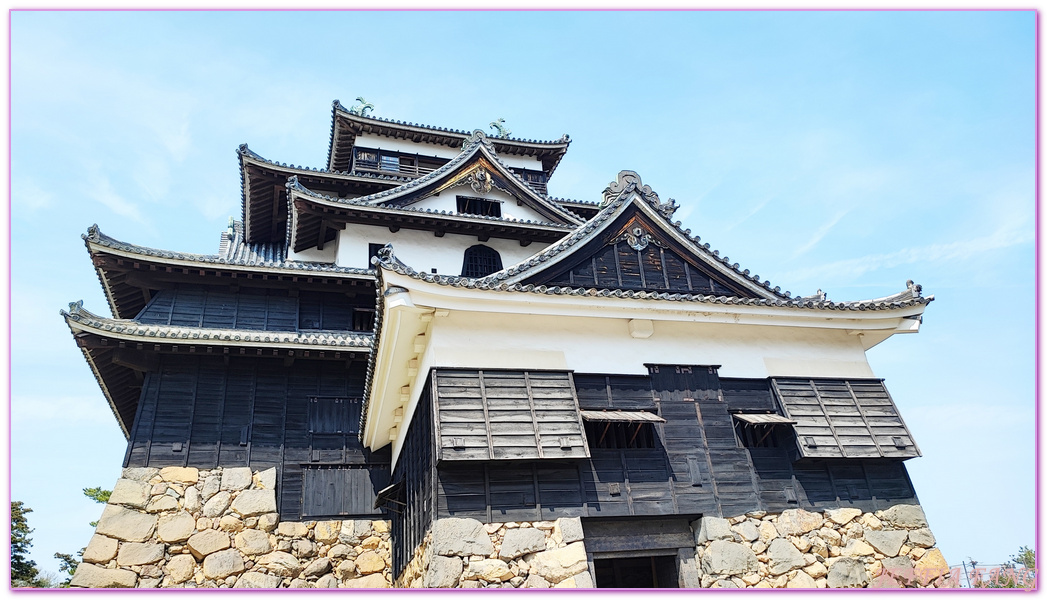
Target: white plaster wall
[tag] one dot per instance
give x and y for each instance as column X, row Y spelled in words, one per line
column 448, row 200
column 594, row 345
column 384, row 143
column 327, row 255
column 422, row 250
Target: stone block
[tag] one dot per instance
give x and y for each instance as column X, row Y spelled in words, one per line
column 230, row 524
column 352, row 532
column 292, row 529
column 207, row 542
column 327, row 581
column 210, row 487
column 887, row 543
column 729, row 558
column 345, row 569
column 255, row 580
column 217, row 505
column 300, row 584
column 235, row 479
column 303, row 548
column 931, row 566
column 797, row 521
column 489, row 570
column 338, row 551
column 518, row 542
column 326, row 532
column 371, row 543
column 93, row 576
column 767, row 531
column 139, row 473
column 443, row 572
column 250, row 503
column 316, row 568
column 784, row 557
column 268, row 521
column 713, row 528
column 855, row 548
column 162, row 504
column 180, row 568
column 381, row 527
column 802, row 580
column 187, row 475
column 265, row 480
column 848, row 573
column 909, row 516
column 125, row 524
column 816, row 570
column 281, row 563
column 192, row 502
column 567, row 530
column 222, row 564
column 100, row 549
column 921, row 538
column 556, row 565
column 460, row 537
column 252, row 542
column 369, row 562
column 747, row 531
column 536, row 582
column 842, row 516
column 583, row 580
column 137, row 553
column 128, row 492
column 373, row 581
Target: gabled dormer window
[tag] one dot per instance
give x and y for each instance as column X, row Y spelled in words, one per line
column 478, row 206
column 481, row 261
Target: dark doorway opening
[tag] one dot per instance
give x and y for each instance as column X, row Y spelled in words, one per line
column 637, row 572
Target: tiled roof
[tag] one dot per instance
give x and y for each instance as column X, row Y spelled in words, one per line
column 84, row 319
column 244, row 151
column 233, row 251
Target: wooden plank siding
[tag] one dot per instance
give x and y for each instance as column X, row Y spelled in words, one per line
column 415, row 469
column 698, row 465
column 199, row 411
column 838, row 418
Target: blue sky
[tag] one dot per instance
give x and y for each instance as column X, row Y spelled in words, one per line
column 846, row 151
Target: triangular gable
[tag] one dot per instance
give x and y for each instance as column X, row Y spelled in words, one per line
column 478, row 169
column 632, row 245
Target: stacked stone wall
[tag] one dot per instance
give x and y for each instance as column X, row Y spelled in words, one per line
column 842, row 548
column 184, row 527
column 465, row 553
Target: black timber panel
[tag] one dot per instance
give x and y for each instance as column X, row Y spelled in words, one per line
column 415, row 472
column 749, row 395
column 844, row 418
column 339, row 492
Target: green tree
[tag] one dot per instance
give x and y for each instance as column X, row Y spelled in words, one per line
column 23, row 571
column 98, row 494
column 1019, row 572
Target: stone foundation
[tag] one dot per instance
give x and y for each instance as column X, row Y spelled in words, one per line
column 465, row 553
column 842, row 548
column 183, row 527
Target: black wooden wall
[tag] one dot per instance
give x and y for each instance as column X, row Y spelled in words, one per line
column 411, row 510
column 204, row 411
column 697, row 467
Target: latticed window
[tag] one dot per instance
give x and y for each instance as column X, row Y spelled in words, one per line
column 481, row 261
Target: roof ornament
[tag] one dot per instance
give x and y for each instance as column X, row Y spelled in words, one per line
column 914, row 288
column 93, row 233
column 480, row 181
column 76, row 307
column 476, row 136
column 638, row 239
column 629, row 181
column 499, row 126
column 818, row 296
column 385, row 255
column 361, row 107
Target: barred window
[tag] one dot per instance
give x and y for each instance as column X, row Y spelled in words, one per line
column 481, row 261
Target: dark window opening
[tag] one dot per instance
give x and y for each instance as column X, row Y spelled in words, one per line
column 638, row 572
column 481, row 261
column 478, row 206
column 613, row 435
column 403, row 163
column 757, row 436
column 363, row 319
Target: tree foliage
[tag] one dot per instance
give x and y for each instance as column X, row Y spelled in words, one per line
column 1019, row 572
column 98, row 494
column 23, row 571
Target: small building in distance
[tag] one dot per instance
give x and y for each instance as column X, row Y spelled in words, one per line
column 415, row 368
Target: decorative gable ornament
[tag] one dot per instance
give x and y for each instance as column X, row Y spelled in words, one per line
column 480, row 181
column 637, row 238
column 629, row 181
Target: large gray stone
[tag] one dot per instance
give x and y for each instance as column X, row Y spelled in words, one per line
column 192, row 500
column 556, row 565
column 443, row 572
column 266, row 479
column 375, row 580
column 100, row 549
column 921, row 538
column 353, row 532
column 327, row 581
column 797, row 521
column 905, row 515
column 136, row 553
column 130, row 493
column 235, row 479
column 125, row 524
column 180, row 568
column 223, row 564
column 139, row 473
column 567, row 530
column 784, row 557
column 848, row 573
column 175, row 528
column 712, row 529
column 161, row 504
column 326, row 532
column 216, row 506
column 256, row 580
column 802, row 580
column 460, row 537
column 211, row 486
column 491, row 570
column 316, row 568
column 93, row 576
column 187, row 475
column 535, row 581
column 900, row 568
column 251, row 503
column 252, row 541
column 207, row 542
column 518, row 542
column 887, row 543
column 842, row 516
column 728, row 558
column 747, row 531
column 281, row 563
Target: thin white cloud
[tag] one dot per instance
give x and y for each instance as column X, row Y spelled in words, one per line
column 101, row 190
column 74, row 409
column 818, row 235
column 26, row 194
